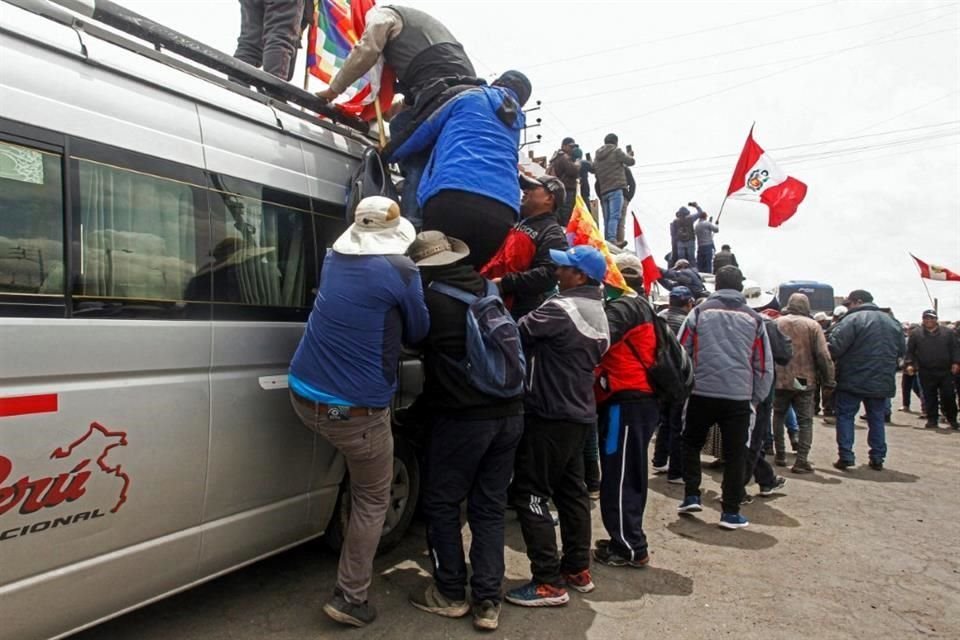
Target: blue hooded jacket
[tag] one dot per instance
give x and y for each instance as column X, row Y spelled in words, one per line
column 476, row 137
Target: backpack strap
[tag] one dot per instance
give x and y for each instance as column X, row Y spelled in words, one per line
column 453, row 292
column 492, row 289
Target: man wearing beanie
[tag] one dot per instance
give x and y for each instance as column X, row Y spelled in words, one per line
column 733, row 373
column 469, row 187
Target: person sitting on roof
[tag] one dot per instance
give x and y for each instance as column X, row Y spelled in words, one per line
column 683, row 274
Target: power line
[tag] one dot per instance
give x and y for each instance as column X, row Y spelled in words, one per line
column 752, row 47
column 597, row 52
column 917, row 108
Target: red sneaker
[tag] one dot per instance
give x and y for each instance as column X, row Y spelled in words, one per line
column 580, row 581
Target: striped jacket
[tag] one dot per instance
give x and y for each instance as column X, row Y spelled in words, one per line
column 728, row 343
column 564, row 339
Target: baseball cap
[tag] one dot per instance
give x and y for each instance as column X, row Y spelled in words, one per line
column 931, row 313
column 681, row 294
column 858, row 295
column 551, row 183
column 568, row 140
column 582, row 258
column 629, row 264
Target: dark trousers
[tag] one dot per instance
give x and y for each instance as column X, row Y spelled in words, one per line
column 756, row 465
column 566, row 208
column 269, row 34
column 802, row 402
column 910, row 385
column 705, row 258
column 733, row 418
column 591, row 460
column 939, row 384
column 481, row 222
column 625, row 433
column 469, row 460
column 550, row 465
column 669, row 446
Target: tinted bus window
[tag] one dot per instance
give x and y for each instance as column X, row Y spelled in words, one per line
column 31, row 221
column 138, row 234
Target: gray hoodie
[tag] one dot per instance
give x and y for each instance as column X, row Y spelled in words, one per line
column 608, row 164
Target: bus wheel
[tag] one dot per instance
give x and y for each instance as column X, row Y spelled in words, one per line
column 404, row 492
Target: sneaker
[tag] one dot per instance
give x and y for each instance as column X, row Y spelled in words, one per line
column 344, row 612
column 690, row 504
column 876, row 465
column 538, row 595
column 780, row 460
column 432, row 601
column 778, row 484
column 604, row 555
column 677, row 480
column 843, row 465
column 905, row 409
column 486, row 615
column 733, row 521
column 658, row 469
column 581, row 581
column 801, row 466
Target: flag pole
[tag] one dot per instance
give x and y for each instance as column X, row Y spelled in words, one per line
column 379, row 111
column 922, row 281
column 720, row 213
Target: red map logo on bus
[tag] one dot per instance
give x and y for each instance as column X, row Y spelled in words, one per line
column 34, row 494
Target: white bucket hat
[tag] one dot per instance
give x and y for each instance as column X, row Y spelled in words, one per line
column 377, row 230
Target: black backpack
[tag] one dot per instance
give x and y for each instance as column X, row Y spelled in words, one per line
column 671, row 373
column 370, row 179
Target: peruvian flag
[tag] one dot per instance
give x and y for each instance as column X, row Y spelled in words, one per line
column 758, row 179
column 935, row 271
column 651, row 273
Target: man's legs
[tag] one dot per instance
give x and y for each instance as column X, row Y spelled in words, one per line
column 628, row 428
column 573, row 503
column 847, row 407
column 281, row 32
column 948, row 399
column 930, row 384
column 705, row 258
column 250, row 42
column 483, row 223
column 876, row 428
column 756, row 465
column 612, row 206
column 621, row 225
column 906, row 389
column 591, row 460
column 485, row 509
column 781, row 402
column 803, row 404
column 661, row 448
column 734, row 422
column 698, row 418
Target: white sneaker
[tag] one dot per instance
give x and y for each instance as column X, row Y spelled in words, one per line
column 658, row 470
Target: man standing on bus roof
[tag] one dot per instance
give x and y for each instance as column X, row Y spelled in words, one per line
column 344, row 374
column 270, row 32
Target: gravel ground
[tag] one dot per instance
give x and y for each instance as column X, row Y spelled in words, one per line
column 836, row 555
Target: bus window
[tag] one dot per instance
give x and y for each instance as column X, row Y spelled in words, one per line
column 31, row 221
column 138, row 234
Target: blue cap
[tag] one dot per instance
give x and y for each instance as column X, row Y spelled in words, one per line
column 583, row 258
column 681, row 293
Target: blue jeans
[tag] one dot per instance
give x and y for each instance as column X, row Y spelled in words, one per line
column 847, row 406
column 790, row 420
column 612, row 207
column 686, row 250
column 705, row 258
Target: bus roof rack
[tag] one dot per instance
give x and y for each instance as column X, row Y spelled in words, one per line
column 272, row 90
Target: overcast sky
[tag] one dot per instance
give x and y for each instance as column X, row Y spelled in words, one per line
column 682, row 82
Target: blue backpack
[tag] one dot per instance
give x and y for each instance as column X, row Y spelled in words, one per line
column 495, row 363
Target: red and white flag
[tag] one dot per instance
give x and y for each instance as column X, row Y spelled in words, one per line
column 757, row 178
column 935, row 271
column 651, row 273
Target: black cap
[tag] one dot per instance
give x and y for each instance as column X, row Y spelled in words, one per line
column 931, row 313
column 568, row 140
column 729, row 277
column 857, row 295
column 550, row 183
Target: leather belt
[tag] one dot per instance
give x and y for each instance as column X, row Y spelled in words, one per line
column 352, row 412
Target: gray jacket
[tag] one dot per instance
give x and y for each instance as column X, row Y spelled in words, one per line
column 730, row 349
column 705, row 230
column 608, row 164
column 564, row 339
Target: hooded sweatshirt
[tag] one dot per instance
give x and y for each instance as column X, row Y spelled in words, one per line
column 609, row 163
column 811, row 359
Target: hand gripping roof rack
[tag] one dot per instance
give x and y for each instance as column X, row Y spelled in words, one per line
column 278, row 92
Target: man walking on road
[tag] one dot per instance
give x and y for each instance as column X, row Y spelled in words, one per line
column 733, row 373
column 796, row 382
column 934, row 353
column 865, row 345
column 344, row 374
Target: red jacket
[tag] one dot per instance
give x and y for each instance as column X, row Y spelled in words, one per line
column 622, row 373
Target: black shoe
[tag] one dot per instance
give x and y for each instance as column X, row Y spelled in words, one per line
column 843, row 465
column 356, row 615
column 876, row 465
column 778, row 484
column 486, row 615
column 604, row 555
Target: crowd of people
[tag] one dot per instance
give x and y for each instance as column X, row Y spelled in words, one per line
column 539, row 388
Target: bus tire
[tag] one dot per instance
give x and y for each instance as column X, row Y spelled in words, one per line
column 404, row 495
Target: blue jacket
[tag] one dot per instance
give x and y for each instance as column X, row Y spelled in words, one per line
column 728, row 343
column 476, row 137
column 866, row 344
column 366, row 308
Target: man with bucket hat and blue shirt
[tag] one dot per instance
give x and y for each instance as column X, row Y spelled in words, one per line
column 564, row 339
